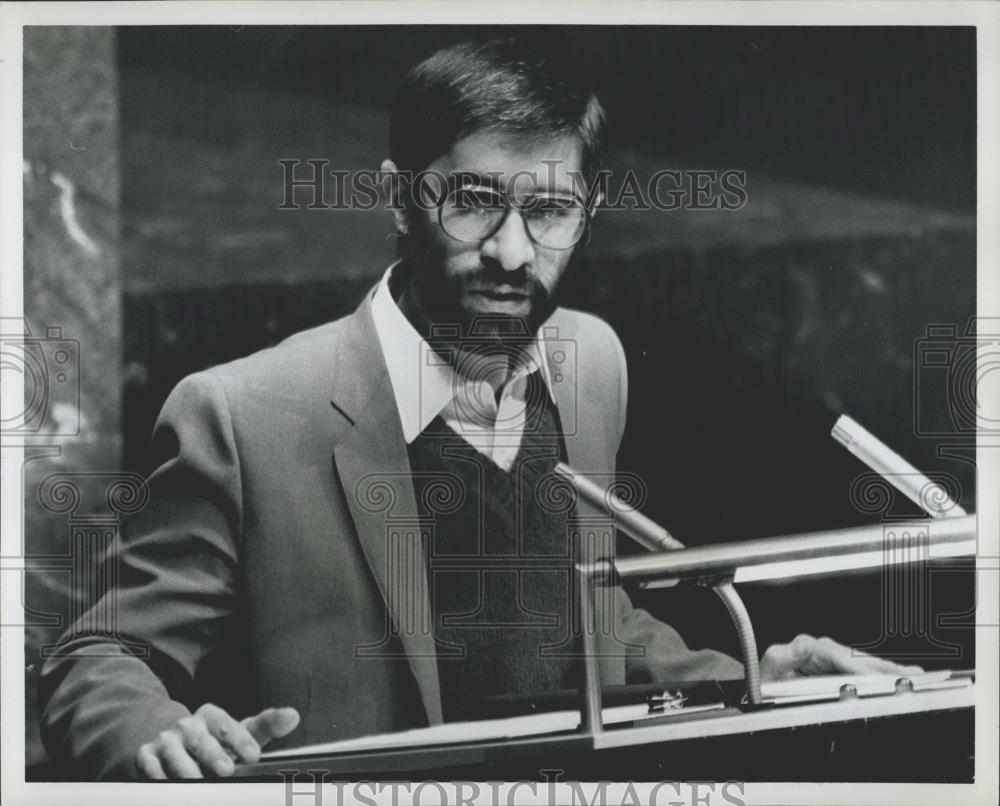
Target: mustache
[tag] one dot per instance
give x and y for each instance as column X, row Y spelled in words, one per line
column 490, row 280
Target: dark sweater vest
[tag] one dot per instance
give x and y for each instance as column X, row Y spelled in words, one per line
column 499, row 564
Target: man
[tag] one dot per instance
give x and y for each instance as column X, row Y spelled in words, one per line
column 358, row 526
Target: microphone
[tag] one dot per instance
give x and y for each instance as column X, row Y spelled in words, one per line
column 653, row 537
column 926, row 494
column 644, row 531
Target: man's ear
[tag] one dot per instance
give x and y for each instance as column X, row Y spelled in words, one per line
column 394, row 186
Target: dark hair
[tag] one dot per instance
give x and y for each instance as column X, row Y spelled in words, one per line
column 499, row 86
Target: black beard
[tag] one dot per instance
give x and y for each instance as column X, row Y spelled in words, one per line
column 439, row 301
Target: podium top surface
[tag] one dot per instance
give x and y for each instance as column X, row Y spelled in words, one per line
column 493, row 741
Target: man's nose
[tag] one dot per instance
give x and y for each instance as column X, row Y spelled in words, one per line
column 510, row 245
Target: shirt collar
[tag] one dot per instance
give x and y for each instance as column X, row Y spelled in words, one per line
column 424, row 382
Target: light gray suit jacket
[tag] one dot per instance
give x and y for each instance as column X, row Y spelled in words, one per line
column 278, row 561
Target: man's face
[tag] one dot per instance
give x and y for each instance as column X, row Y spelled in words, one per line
column 504, row 283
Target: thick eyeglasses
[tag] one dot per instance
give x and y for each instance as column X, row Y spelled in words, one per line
column 476, row 213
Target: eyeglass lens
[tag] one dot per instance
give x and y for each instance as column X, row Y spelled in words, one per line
column 476, row 213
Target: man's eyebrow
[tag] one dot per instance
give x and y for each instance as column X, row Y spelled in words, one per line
column 560, row 191
column 494, row 181
column 467, row 178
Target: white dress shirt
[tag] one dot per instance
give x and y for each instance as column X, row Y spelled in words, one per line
column 427, row 383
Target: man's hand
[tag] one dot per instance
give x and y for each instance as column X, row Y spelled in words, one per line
column 209, row 741
column 810, row 656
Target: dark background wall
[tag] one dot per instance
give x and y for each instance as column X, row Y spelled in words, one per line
column 747, row 333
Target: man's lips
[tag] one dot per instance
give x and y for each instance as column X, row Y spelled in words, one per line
column 502, row 294
column 496, row 296
column 511, row 303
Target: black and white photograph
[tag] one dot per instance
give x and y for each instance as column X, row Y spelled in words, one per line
column 449, row 403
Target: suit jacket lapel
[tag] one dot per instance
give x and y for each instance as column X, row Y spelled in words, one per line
column 374, row 470
column 587, row 452
column 578, row 412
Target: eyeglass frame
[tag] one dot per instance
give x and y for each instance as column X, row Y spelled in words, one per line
column 511, row 204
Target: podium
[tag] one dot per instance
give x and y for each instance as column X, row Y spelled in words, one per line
column 917, row 736
column 919, row 730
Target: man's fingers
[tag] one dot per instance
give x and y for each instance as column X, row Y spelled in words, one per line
column 883, row 666
column 148, row 764
column 784, row 660
column 777, row 659
column 826, row 656
column 175, row 759
column 816, row 656
column 209, row 741
column 234, row 737
column 271, row 724
column 829, row 656
column 204, row 748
